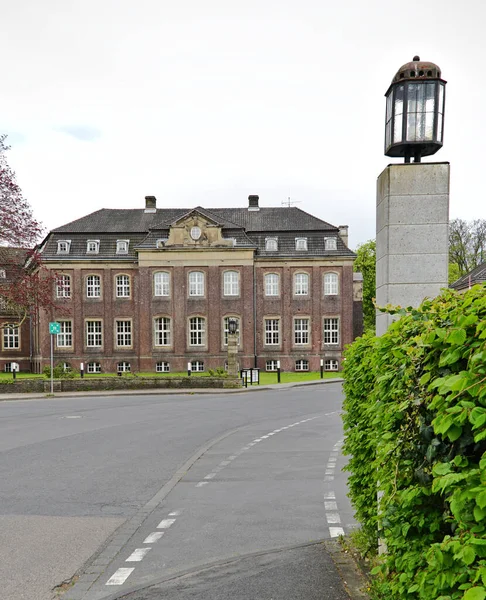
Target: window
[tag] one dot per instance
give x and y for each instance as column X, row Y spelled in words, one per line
column 162, row 331
column 93, row 286
column 65, row 337
column 160, row 243
column 93, row 246
column 301, row 331
column 162, row 367
column 271, row 365
column 272, row 284
column 331, row 284
column 94, row 367
column 196, row 283
column 63, row 246
column 122, row 246
column 63, row 286
column 94, row 334
column 3, row 274
column 271, row 244
column 11, row 337
column 197, row 365
column 301, row 243
column 331, row 331
column 330, row 365
column 197, row 331
column 330, row 243
column 226, row 329
column 302, row 365
column 123, row 367
column 8, row 367
column 123, row 333
column 301, row 284
column 231, row 283
column 66, row 367
column 272, row 332
column 122, row 286
column 162, row 284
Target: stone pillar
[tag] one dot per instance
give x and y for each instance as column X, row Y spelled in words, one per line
column 232, row 354
column 412, row 235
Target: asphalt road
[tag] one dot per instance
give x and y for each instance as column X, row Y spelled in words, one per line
column 133, row 491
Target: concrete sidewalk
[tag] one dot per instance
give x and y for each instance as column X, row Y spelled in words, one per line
column 169, row 391
column 317, row 571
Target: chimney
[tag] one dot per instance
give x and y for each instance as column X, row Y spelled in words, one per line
column 343, row 233
column 150, row 204
column 253, row 203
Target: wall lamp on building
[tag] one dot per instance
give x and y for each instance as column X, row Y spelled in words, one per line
column 415, row 100
column 232, row 326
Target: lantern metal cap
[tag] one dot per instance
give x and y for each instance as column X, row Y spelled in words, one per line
column 417, row 69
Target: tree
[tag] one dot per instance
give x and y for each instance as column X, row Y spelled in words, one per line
column 365, row 263
column 467, row 245
column 26, row 286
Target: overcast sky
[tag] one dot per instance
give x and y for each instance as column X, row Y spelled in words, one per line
column 206, row 102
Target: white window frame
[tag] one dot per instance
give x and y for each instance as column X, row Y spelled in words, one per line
column 271, row 365
column 63, row 286
column 64, row 339
column 330, row 331
column 162, row 366
column 231, row 283
column 330, row 243
column 11, row 336
column 197, row 366
column 94, row 333
column 122, row 285
column 3, row 274
column 272, row 331
column 302, row 364
column 301, row 284
column 301, row 331
column 331, row 364
column 271, row 244
column 93, row 286
column 272, row 284
column 162, row 331
column 226, row 328
column 123, row 333
column 331, row 284
column 63, row 246
column 196, row 284
column 197, row 331
column 92, row 246
column 162, row 284
column 94, row 367
column 123, row 367
column 122, row 246
column 301, row 244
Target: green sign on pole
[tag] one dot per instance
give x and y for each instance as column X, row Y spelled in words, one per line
column 54, row 327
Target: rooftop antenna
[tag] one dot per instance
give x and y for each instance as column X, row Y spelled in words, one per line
column 289, row 202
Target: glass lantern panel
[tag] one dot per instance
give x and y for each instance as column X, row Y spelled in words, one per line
column 397, row 128
column 387, row 134
column 430, row 97
column 441, row 97
column 399, row 100
column 439, row 128
column 389, row 104
column 429, row 126
column 411, row 135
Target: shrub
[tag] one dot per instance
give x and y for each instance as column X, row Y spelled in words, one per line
column 59, row 372
column 415, row 423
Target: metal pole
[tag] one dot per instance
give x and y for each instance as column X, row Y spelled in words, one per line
column 52, row 364
column 322, row 368
column 278, row 371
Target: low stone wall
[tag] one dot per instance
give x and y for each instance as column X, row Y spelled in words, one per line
column 25, row 386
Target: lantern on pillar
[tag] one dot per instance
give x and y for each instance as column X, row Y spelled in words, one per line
column 415, row 111
column 232, row 326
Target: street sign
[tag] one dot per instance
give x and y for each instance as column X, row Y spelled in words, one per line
column 54, row 327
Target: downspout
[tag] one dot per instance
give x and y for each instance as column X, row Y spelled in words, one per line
column 255, row 358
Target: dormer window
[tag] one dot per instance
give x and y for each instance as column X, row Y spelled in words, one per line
column 160, row 243
column 271, row 244
column 301, row 243
column 122, row 246
column 63, row 246
column 2, row 274
column 330, row 243
column 93, row 246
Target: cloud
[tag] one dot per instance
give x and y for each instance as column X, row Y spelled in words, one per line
column 81, row 132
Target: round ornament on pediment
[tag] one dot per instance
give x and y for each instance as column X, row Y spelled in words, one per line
column 196, row 233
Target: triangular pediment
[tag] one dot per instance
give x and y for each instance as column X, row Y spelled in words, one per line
column 195, row 229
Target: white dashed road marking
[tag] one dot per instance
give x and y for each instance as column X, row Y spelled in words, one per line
column 330, row 504
column 336, row 531
column 138, row 554
column 165, row 523
column 153, row 537
column 119, row 577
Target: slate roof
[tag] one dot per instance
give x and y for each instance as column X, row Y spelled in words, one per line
column 249, row 228
column 477, row 275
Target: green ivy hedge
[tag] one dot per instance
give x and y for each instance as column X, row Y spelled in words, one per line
column 415, row 424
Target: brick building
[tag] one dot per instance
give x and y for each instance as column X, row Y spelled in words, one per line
column 152, row 289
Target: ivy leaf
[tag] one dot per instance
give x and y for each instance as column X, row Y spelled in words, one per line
column 469, row 555
column 481, row 499
column 457, row 337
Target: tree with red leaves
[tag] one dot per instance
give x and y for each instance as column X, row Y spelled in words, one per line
column 25, row 285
